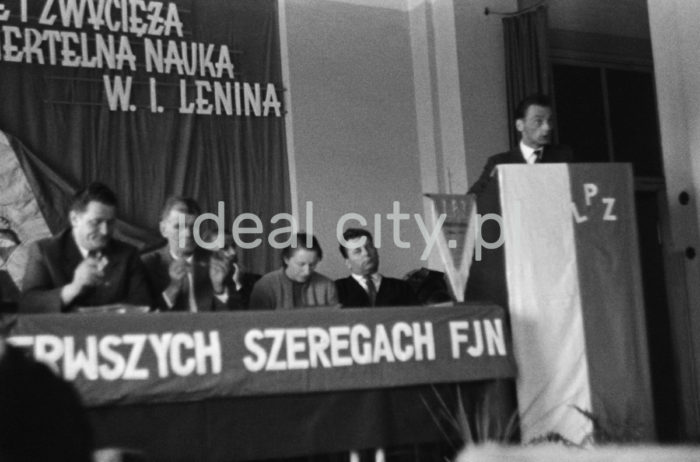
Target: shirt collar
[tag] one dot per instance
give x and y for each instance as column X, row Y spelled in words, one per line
column 83, row 251
column 529, row 153
column 376, row 278
column 175, row 257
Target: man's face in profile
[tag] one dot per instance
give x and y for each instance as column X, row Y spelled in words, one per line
column 177, row 229
column 93, row 227
column 536, row 127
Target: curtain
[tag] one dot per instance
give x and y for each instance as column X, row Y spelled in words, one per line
column 527, row 60
column 61, row 115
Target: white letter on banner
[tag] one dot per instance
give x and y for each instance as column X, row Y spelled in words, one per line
column 339, row 344
column 479, row 241
column 132, row 372
column 251, row 338
column 590, row 190
column 403, row 353
column 577, row 217
column 295, row 344
column 273, row 363
column 478, row 348
column 21, row 341
column 203, row 351
column 172, row 20
column 318, row 344
column 5, row 15
column 494, row 337
column 11, row 52
column 363, row 355
column 48, row 349
column 76, row 361
column 161, row 345
column 382, row 345
column 424, row 340
column 271, row 101
column 119, row 94
column 181, row 341
column 457, row 337
column 609, row 203
column 237, row 230
column 106, row 347
column 45, row 18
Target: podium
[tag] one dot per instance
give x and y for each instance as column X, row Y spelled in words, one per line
column 568, row 272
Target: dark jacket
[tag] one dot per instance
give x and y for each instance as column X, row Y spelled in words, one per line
column 51, row 263
column 392, row 292
column 550, row 155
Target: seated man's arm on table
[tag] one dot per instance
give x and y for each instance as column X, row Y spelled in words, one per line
column 45, row 289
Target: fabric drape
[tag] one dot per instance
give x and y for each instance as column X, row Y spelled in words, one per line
column 61, row 115
column 527, row 60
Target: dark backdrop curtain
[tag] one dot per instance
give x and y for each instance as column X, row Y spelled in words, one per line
column 527, row 60
column 61, row 115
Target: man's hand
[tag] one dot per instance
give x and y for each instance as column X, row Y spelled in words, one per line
column 219, row 269
column 88, row 273
column 177, row 271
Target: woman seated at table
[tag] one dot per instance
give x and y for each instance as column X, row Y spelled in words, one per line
column 296, row 284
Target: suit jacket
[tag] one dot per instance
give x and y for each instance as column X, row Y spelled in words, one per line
column 51, row 263
column 157, row 264
column 392, row 292
column 550, row 154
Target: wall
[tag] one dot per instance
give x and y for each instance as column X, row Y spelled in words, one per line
column 376, row 96
column 483, row 80
column 675, row 37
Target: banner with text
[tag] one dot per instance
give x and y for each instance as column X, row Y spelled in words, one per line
column 183, row 357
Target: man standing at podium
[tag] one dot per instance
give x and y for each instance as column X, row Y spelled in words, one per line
column 365, row 287
column 534, row 121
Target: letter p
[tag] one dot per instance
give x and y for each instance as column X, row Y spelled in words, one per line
column 480, row 243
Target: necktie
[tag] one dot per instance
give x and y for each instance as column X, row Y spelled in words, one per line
column 191, row 300
column 538, row 155
column 371, row 290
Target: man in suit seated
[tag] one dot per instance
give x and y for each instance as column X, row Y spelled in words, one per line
column 183, row 276
column 365, row 287
column 83, row 266
column 534, row 121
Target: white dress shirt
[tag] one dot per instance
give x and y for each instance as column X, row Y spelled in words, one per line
column 529, row 153
column 376, row 279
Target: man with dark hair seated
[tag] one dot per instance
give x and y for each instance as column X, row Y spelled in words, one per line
column 365, row 287
column 186, row 277
column 83, row 266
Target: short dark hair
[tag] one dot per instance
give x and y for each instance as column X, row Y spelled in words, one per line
column 536, row 99
column 353, row 233
column 289, row 251
column 95, row 191
column 185, row 204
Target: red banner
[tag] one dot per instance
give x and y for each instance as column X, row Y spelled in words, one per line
column 182, row 357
